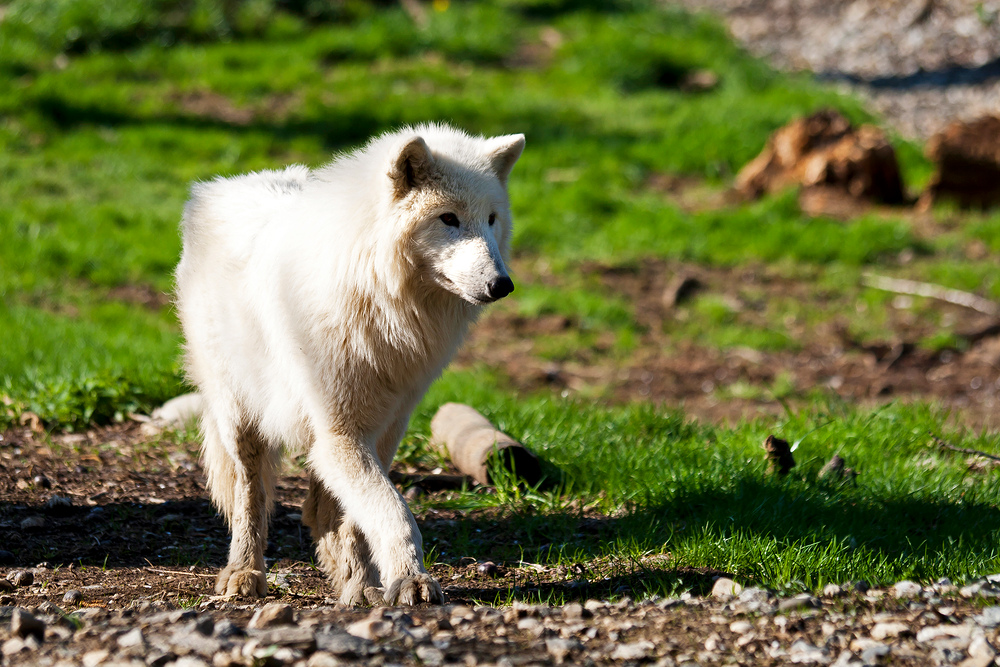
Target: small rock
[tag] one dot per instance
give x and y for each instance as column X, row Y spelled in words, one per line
column 41, row 481
column 802, row 601
column 574, row 611
column 860, row 586
column 132, row 638
column 94, row 658
column 802, row 651
column 72, row 596
column 58, row 506
column 293, row 637
column 370, row 628
column 226, row 628
column 430, row 655
column 989, row 618
column 980, row 653
column 21, row 578
column 907, row 589
column 832, row 591
column 6, row 586
column 932, row 632
column 634, row 651
column 488, row 569
column 335, row 641
column 874, row 654
column 324, row 659
column 740, row 627
column 724, row 587
column 882, row 631
column 271, row 615
column 23, row 623
column 33, row 522
column 560, row 648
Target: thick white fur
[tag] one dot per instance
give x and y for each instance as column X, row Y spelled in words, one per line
column 318, row 306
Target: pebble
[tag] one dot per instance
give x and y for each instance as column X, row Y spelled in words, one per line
column 989, row 617
column 23, row 623
column 273, row 614
column 32, row 522
column 740, row 627
column 634, row 651
column 832, row 591
column 882, row 631
column 724, row 587
column 875, row 653
column 21, row 578
column 72, row 596
column 980, row 653
column 6, row 586
column 560, row 648
column 802, row 601
column 41, row 481
column 802, row 651
column 907, row 589
column 488, row 569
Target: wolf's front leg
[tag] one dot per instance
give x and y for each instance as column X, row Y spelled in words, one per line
column 350, row 469
column 342, row 549
column 242, row 487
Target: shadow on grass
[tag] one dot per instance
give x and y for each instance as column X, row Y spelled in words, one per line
column 563, row 555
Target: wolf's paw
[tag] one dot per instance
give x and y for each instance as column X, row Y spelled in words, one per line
column 244, row 583
column 358, row 593
column 414, row 589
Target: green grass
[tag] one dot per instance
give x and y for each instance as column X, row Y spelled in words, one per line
column 702, row 495
column 109, row 110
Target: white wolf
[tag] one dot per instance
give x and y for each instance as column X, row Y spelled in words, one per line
column 318, row 306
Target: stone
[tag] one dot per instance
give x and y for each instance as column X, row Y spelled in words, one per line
column 634, row 651
column 801, row 601
column 802, row 652
column 932, row 632
column 560, row 648
column 989, row 617
column 324, row 659
column 6, row 586
column 875, row 654
column 132, row 638
column 292, row 637
column 33, row 522
column 832, row 591
column 21, row 578
column 430, row 655
column 94, row 658
column 981, row 653
column 72, row 596
column 23, row 623
column 907, row 589
column 888, row 630
column 370, row 628
column 740, row 627
column 226, row 628
column 339, row 643
column 488, row 569
column 271, row 615
column 724, row 587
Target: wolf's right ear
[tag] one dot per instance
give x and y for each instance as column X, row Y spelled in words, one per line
column 412, row 167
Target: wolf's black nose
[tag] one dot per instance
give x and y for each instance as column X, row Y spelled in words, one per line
column 498, row 288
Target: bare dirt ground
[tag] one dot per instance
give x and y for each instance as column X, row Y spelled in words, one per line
column 92, row 518
column 696, row 377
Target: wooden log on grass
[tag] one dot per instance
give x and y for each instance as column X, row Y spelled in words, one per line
column 476, row 446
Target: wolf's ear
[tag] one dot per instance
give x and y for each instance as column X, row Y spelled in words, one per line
column 411, row 168
column 503, row 153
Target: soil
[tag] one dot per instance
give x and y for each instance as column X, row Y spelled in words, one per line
column 827, row 357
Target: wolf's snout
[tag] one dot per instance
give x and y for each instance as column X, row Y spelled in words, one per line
column 500, row 287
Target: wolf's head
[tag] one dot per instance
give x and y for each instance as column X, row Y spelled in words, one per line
column 452, row 191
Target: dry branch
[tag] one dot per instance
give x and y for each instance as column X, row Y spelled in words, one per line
column 944, row 444
column 932, row 291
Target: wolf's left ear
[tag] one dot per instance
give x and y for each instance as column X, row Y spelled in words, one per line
column 411, row 168
column 503, row 153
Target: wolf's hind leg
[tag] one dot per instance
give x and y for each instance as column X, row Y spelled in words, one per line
column 342, row 550
column 242, row 486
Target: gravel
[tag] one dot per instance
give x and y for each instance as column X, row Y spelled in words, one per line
column 851, row 628
column 920, row 63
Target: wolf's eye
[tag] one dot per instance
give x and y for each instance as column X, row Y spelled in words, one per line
column 449, row 219
column 493, row 218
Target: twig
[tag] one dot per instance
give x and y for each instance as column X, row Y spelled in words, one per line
column 186, row 574
column 930, row 290
column 944, row 444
